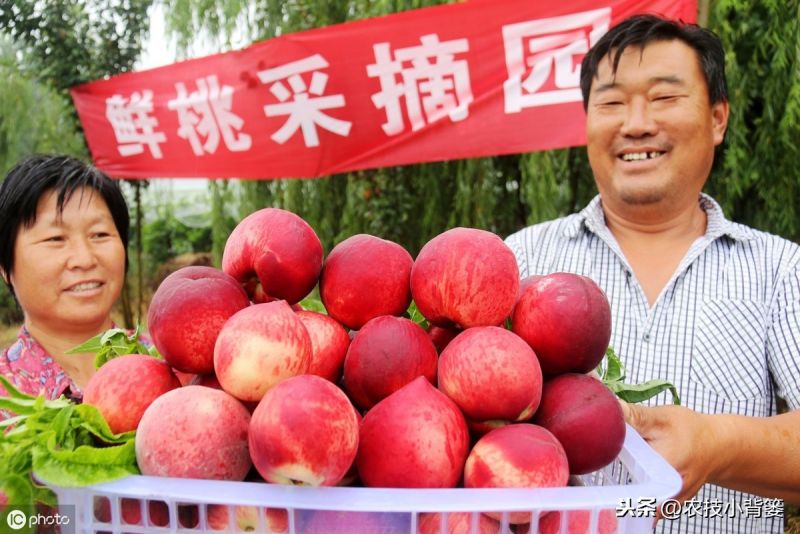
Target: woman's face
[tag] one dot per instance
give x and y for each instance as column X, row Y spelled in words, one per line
column 69, row 268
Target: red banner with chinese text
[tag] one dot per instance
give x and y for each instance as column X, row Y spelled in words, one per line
column 462, row 80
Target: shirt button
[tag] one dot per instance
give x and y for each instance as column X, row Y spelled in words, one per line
column 646, row 337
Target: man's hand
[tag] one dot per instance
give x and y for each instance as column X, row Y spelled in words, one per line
column 688, row 440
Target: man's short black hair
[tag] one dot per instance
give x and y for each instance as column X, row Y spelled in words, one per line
column 640, row 30
column 30, row 179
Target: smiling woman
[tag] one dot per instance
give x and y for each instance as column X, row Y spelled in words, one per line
column 63, row 239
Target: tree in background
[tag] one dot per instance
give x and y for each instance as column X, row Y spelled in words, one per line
column 755, row 182
column 33, row 118
column 58, row 44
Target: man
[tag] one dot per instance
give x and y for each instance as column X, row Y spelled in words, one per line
column 710, row 305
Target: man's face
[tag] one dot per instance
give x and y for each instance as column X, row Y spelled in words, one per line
column 651, row 130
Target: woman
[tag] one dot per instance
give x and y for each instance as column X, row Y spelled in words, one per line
column 63, row 240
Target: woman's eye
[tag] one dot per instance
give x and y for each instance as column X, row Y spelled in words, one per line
column 55, row 238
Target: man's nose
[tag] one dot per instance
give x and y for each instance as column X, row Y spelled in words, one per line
column 639, row 121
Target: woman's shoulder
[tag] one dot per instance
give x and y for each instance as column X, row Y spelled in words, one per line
column 28, row 366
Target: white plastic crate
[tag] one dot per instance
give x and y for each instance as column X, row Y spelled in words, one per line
column 638, row 472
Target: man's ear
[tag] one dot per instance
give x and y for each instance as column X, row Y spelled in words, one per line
column 719, row 120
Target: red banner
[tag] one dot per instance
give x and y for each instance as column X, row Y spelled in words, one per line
column 463, row 80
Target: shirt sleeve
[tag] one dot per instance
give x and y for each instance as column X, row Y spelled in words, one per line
column 514, row 242
column 783, row 339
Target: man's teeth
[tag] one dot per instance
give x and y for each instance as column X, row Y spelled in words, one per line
column 85, row 287
column 635, row 156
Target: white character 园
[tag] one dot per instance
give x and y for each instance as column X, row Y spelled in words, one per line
column 545, row 50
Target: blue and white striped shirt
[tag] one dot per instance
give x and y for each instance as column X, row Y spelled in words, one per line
column 725, row 329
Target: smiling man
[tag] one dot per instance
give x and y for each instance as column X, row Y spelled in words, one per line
column 708, row 304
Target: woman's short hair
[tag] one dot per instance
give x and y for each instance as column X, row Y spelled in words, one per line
column 31, row 178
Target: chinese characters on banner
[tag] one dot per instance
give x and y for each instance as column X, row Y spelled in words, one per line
column 462, row 80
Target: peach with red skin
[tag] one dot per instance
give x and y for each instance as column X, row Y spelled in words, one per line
column 517, row 456
column 586, row 418
column 329, row 343
column 125, row 386
column 304, row 431
column 194, row 432
column 342, row 522
column 385, row 355
column 258, row 347
column 187, row 312
column 465, row 277
column 414, row 438
column 492, row 375
column 457, row 523
column 578, row 522
column 566, row 319
column 274, row 254
column 441, row 336
column 365, row 277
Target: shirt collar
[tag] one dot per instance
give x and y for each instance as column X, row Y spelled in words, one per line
column 592, row 219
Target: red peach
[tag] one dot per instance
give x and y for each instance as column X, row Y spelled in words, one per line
column 578, row 523
column 414, row 438
column 441, row 337
column 274, row 254
column 125, row 386
column 339, row 522
column 465, row 277
column 260, row 346
column 329, row 343
column 385, row 355
column 194, row 432
column 586, row 418
column 187, row 312
column 458, row 523
column 365, row 277
column 304, row 431
column 566, row 319
column 517, row 456
column 491, row 374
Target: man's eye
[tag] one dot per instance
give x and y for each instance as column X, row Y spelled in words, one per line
column 663, row 98
column 611, row 103
column 55, row 238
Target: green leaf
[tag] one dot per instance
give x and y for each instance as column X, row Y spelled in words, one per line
column 112, row 343
column 11, row 391
column 611, row 369
column 612, row 373
column 644, row 391
column 84, row 465
column 92, row 420
column 312, row 304
column 93, row 345
column 415, row 315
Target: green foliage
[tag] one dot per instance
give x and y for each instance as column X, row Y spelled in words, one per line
column 67, row 42
column 757, row 182
column 33, row 117
column 62, row 443
column 408, row 204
